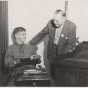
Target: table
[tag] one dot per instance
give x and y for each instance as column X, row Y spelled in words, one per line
column 33, row 79
column 72, row 72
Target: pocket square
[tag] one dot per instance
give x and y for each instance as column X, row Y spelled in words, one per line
column 62, row 35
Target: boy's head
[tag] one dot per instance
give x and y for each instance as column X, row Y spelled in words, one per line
column 19, row 35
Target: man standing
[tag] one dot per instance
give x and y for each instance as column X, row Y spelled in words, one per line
column 62, row 37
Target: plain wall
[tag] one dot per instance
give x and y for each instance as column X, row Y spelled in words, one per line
column 78, row 12
column 34, row 15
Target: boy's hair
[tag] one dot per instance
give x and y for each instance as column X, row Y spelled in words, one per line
column 18, row 29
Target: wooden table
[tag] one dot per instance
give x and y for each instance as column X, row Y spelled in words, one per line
column 33, row 80
column 72, row 72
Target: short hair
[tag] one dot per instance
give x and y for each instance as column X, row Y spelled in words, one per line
column 18, row 29
column 59, row 10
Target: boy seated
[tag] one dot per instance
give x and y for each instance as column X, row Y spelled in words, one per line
column 19, row 49
column 18, row 52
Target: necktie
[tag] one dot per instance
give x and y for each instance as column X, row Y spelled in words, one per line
column 57, row 34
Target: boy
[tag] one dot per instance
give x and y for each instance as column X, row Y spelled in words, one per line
column 19, row 49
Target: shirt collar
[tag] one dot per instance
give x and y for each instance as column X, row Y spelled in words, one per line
column 52, row 21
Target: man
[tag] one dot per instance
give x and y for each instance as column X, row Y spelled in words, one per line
column 62, row 38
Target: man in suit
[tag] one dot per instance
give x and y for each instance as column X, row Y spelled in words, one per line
column 62, row 38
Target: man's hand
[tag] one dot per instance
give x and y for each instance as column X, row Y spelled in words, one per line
column 40, row 66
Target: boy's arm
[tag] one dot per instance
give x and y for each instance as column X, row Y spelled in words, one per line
column 34, row 50
column 38, row 56
column 9, row 62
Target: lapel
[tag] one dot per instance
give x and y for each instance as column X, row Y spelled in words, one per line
column 64, row 28
column 53, row 29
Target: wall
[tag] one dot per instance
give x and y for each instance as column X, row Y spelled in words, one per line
column 31, row 14
column 34, row 15
column 78, row 12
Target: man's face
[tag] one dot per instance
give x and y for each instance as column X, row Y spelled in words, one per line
column 58, row 19
column 20, row 37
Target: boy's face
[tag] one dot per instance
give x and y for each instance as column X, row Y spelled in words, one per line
column 20, row 37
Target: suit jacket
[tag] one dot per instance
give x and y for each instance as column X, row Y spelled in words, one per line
column 66, row 43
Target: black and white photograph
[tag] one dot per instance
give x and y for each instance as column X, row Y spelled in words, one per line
column 43, row 43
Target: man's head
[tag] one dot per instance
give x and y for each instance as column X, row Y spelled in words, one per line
column 19, row 35
column 59, row 17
